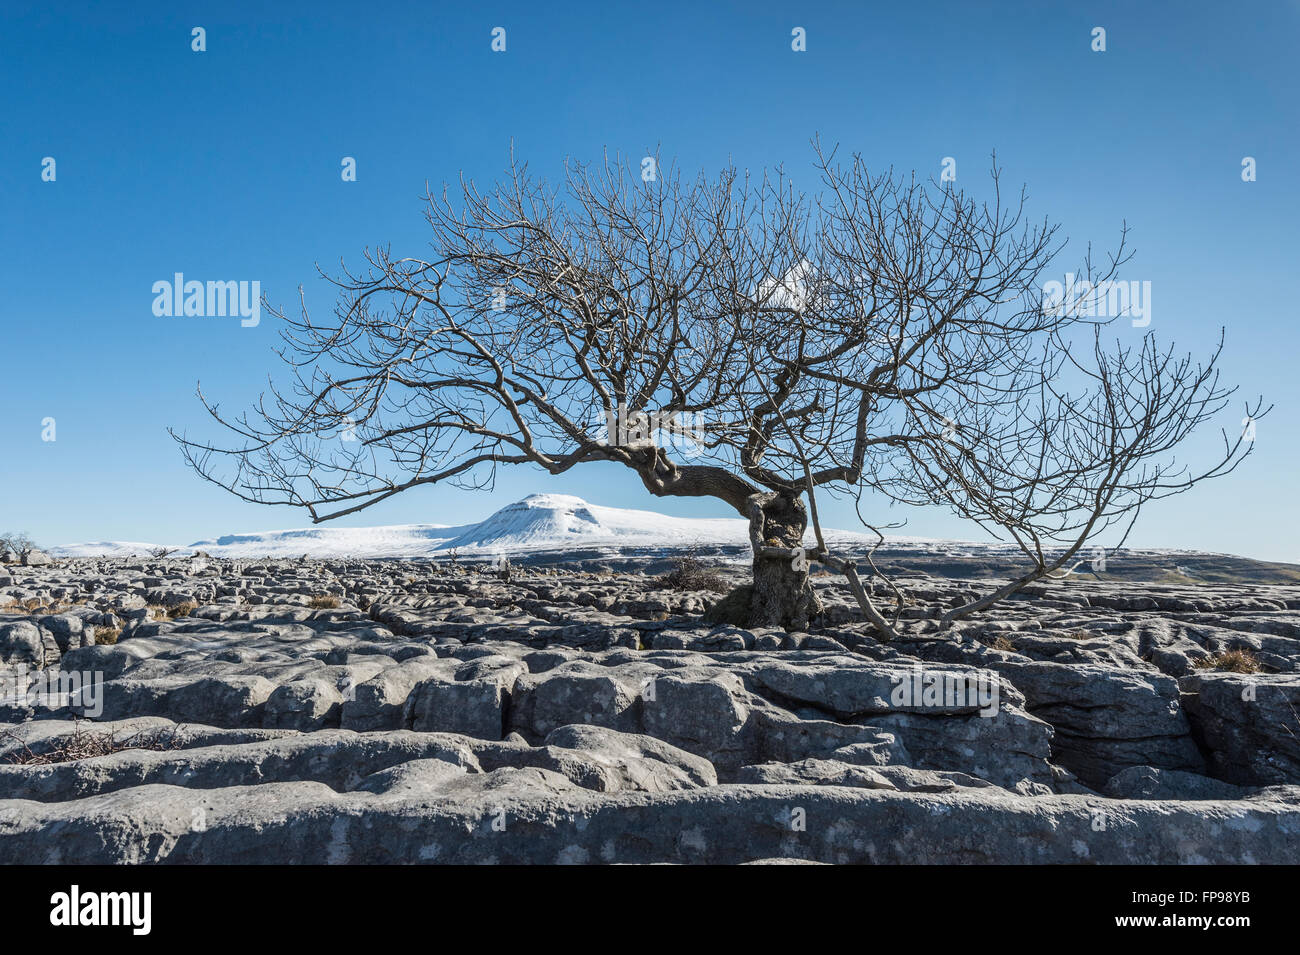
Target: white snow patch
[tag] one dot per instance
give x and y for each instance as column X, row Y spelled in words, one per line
column 539, row 522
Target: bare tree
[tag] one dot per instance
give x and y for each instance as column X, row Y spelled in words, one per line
column 737, row 339
column 19, row 544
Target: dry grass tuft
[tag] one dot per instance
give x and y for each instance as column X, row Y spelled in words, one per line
column 1230, row 661
column 323, row 602
column 35, row 606
column 107, row 636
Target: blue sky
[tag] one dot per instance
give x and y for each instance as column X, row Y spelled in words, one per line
column 225, row 165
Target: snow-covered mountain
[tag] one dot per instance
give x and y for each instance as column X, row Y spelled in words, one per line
column 547, row 527
column 563, row 523
column 538, row 522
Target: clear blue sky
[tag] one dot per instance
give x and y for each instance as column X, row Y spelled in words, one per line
column 225, row 165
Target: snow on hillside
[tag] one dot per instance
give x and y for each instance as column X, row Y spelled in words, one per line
column 545, row 521
column 538, row 522
column 103, row 549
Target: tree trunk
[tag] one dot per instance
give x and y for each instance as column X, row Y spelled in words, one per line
column 782, row 596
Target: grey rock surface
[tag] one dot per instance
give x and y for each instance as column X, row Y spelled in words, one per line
column 1249, row 724
column 404, row 711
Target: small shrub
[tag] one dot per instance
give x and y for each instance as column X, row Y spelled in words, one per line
column 691, row 573
column 1230, row 661
column 182, row 609
column 1002, row 643
column 323, row 602
column 107, row 636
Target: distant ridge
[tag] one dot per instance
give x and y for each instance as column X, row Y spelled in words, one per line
column 538, row 522
column 542, row 525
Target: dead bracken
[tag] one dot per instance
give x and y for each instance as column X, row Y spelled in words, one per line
column 84, row 743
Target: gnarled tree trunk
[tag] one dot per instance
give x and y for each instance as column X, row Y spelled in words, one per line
column 781, row 595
